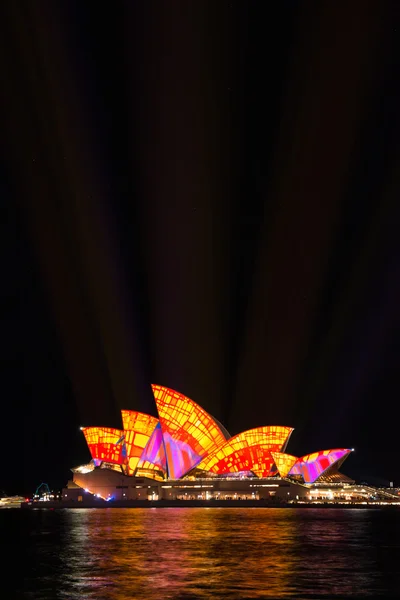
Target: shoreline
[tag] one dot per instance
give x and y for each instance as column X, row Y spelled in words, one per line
column 151, row 504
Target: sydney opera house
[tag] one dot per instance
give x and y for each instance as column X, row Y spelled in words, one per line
column 187, row 454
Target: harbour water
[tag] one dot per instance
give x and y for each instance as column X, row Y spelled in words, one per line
column 193, row 553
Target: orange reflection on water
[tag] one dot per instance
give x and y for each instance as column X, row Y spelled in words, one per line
column 179, row 553
column 118, row 554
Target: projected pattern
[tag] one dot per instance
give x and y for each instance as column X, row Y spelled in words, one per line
column 153, row 457
column 138, row 429
column 283, row 462
column 312, row 466
column 248, row 451
column 186, row 439
column 106, row 444
column 189, row 432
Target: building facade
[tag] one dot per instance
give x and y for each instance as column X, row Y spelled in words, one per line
column 186, row 454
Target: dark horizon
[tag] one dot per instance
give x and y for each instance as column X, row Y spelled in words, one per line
column 204, row 196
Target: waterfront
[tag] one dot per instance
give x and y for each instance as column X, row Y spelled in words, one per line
column 106, row 554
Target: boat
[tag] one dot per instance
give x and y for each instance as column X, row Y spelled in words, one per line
column 11, row 501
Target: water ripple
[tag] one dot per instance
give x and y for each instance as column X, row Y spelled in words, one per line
column 118, row 554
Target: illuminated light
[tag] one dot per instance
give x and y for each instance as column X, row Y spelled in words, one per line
column 186, row 437
column 180, row 456
column 265, row 485
column 138, row 428
column 248, row 451
column 189, row 432
column 102, row 443
column 312, row 466
column 284, row 462
column 153, row 456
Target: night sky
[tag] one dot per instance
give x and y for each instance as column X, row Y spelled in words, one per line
column 203, row 195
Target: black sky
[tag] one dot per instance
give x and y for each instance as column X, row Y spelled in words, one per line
column 203, row 195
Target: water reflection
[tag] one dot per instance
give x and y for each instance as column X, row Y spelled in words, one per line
column 116, row 554
column 177, row 553
column 339, row 560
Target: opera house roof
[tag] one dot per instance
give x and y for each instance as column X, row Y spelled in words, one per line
column 185, row 440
